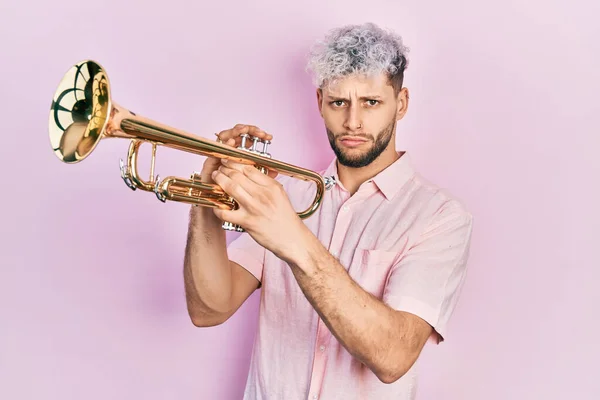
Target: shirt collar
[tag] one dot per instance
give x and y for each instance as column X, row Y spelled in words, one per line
column 389, row 181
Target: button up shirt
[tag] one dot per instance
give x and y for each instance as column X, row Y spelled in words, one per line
column 401, row 238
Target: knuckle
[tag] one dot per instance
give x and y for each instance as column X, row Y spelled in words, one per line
column 249, row 225
column 239, row 129
column 233, row 174
column 217, row 179
column 264, row 199
column 228, row 186
column 236, row 176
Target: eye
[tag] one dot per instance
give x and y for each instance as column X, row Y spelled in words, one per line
column 373, row 102
column 337, row 103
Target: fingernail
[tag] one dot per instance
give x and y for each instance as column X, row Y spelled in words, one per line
column 213, row 174
column 224, row 161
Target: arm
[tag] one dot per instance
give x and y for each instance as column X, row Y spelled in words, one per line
column 214, row 286
column 421, row 292
column 387, row 341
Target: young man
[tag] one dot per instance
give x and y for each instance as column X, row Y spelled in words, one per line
column 350, row 295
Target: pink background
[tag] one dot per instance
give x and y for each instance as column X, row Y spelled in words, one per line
column 504, row 108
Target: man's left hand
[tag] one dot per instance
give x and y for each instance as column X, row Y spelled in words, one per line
column 265, row 211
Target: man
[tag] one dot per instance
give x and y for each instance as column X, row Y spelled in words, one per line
column 350, row 295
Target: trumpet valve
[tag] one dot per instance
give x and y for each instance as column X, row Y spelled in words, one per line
column 228, row 226
column 254, row 147
column 244, row 137
column 255, row 140
column 266, row 144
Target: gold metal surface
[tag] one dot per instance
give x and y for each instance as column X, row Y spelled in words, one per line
column 83, row 113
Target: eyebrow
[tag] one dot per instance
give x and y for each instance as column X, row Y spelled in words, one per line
column 336, row 98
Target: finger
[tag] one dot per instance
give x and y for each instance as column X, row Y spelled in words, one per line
column 236, row 132
column 256, row 131
column 253, row 130
column 249, row 171
column 238, row 176
column 224, row 161
column 225, row 135
column 254, row 173
column 209, row 165
column 234, row 188
column 234, row 216
column 228, row 142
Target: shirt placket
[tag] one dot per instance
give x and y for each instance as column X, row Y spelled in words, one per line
column 323, row 335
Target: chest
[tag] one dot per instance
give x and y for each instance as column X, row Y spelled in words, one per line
column 366, row 233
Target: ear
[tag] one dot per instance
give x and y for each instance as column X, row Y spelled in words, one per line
column 402, row 101
column 320, row 100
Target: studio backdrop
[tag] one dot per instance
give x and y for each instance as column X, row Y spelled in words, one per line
column 503, row 113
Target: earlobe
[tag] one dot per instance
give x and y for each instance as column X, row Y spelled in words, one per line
column 400, row 110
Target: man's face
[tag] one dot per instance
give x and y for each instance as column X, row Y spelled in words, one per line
column 360, row 117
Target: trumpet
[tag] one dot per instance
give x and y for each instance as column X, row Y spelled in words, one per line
column 83, row 113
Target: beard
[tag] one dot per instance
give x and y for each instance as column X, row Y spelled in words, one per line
column 364, row 159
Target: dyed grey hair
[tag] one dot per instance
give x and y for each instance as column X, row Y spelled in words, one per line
column 358, row 49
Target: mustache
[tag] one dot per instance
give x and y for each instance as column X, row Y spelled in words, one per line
column 366, row 136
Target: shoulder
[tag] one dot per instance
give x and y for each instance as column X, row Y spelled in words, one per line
column 442, row 203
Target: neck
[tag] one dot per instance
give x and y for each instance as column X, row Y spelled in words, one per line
column 352, row 178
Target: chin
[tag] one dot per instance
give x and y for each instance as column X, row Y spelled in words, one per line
column 357, row 157
column 354, row 160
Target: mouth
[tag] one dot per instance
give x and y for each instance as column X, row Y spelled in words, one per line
column 350, row 141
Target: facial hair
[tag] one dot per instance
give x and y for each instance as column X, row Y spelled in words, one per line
column 379, row 145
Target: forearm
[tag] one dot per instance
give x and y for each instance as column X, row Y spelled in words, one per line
column 364, row 325
column 207, row 273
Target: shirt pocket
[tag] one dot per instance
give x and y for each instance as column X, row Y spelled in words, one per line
column 370, row 269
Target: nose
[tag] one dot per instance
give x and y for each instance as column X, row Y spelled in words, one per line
column 353, row 119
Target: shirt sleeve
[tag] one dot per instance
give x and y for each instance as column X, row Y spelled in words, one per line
column 426, row 281
column 246, row 252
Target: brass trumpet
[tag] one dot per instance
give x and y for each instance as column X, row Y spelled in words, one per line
column 82, row 113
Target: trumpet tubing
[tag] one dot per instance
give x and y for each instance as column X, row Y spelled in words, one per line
column 83, row 113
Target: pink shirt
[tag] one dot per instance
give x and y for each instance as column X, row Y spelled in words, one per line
column 400, row 237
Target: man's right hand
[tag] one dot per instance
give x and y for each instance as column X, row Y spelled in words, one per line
column 232, row 137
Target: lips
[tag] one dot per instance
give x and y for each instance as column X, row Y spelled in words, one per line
column 352, row 141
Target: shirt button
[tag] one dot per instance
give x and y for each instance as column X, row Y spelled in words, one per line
column 322, row 348
column 345, row 208
column 315, row 397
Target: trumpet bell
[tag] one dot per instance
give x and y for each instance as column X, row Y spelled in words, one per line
column 79, row 112
column 82, row 114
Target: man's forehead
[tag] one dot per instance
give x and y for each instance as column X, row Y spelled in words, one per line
column 358, row 84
